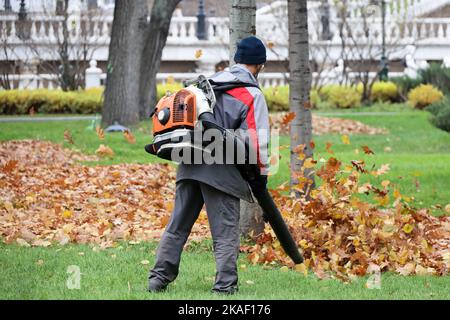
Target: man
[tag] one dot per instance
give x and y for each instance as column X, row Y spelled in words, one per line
column 219, row 186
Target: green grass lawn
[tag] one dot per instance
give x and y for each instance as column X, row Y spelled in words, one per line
column 419, row 156
column 117, row 273
column 420, row 166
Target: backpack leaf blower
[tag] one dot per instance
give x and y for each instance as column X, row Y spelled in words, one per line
column 175, row 120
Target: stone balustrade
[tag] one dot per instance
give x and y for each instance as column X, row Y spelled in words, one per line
column 96, row 30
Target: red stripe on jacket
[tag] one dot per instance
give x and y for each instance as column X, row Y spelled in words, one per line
column 243, row 95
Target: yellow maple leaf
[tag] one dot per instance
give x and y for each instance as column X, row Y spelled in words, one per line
column 284, row 269
column 345, row 139
column 447, row 208
column 198, row 53
column 407, row 228
column 302, row 268
column 67, row 214
column 309, row 163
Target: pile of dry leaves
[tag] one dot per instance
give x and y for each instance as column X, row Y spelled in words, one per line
column 324, row 125
column 47, row 197
column 343, row 236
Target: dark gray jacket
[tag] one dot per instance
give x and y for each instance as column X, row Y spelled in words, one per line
column 240, row 108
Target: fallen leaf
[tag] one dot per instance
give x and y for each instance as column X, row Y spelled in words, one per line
column 68, row 137
column 407, row 228
column 129, row 137
column 67, row 214
column 284, row 269
column 328, row 148
column 309, row 163
column 198, row 53
column 9, row 166
column 104, row 151
column 447, row 208
column 145, row 262
column 301, row 268
column 288, row 118
column 345, row 139
column 22, row 243
column 367, row 150
column 100, row 132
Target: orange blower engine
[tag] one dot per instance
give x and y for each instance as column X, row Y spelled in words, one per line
column 176, row 116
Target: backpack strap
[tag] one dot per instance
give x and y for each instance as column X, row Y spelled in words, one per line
column 222, row 87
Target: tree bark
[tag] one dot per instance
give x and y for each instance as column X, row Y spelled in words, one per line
column 299, row 93
column 242, row 23
column 154, row 41
column 124, row 63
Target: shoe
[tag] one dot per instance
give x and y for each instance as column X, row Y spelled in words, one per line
column 230, row 291
column 156, row 285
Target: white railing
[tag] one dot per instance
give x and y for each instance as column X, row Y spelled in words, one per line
column 96, row 30
column 33, row 81
column 49, row 30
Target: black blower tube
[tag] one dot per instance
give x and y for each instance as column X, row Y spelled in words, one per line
column 265, row 200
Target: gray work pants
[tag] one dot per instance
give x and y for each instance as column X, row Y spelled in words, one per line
column 223, row 217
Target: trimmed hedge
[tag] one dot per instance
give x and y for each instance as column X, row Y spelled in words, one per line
column 424, row 95
column 50, row 101
column 440, row 114
column 91, row 100
column 57, row 101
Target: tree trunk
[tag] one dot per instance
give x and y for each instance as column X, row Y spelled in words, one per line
column 155, row 40
column 242, row 23
column 299, row 93
column 124, row 64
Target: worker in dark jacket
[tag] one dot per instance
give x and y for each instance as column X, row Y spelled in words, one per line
column 219, row 186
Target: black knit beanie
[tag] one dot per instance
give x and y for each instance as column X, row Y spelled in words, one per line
column 250, row 50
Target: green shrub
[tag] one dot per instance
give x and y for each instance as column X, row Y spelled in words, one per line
column 315, row 99
column 277, row 98
column 405, row 84
column 170, row 86
column 384, row 92
column 57, row 101
column 424, row 95
column 438, row 76
column 50, row 101
column 440, row 114
column 340, row 96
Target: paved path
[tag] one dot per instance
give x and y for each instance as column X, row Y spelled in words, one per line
column 90, row 117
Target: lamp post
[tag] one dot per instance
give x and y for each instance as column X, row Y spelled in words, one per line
column 384, row 66
column 325, row 19
column 8, row 5
column 201, row 21
column 22, row 11
column 23, row 31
